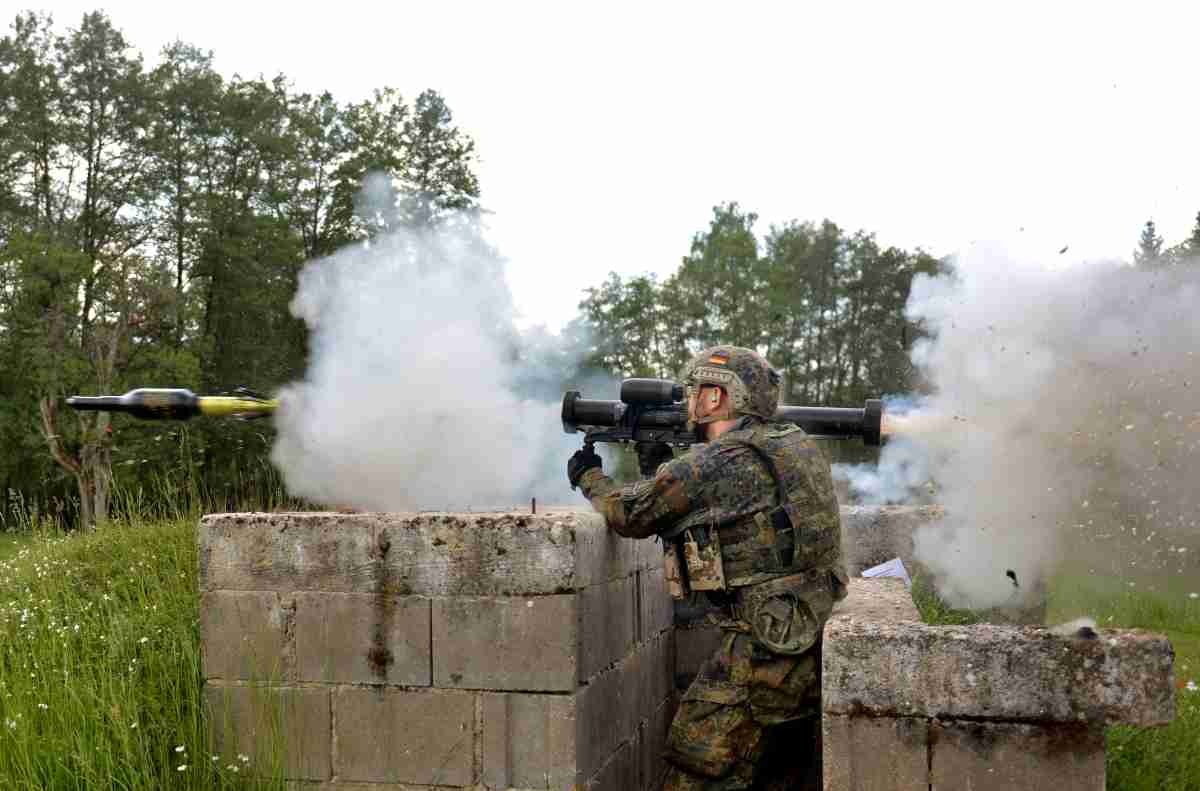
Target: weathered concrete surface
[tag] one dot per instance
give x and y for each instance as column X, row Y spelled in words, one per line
column 526, row 643
column 878, row 600
column 1005, row 673
column 244, row 635
column 1016, row 756
column 332, row 628
column 435, row 730
column 442, row 650
column 1003, row 708
column 424, row 554
column 267, row 723
column 875, row 753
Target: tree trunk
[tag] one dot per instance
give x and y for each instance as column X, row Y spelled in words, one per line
column 86, row 515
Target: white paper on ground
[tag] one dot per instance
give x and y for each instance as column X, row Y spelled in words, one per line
column 893, row 568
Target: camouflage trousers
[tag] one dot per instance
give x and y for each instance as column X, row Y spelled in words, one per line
column 750, row 720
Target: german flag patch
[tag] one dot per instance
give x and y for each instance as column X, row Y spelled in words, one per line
column 719, row 358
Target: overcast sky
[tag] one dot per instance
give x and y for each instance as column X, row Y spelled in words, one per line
column 607, row 132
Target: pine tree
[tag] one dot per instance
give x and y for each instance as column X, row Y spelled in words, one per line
column 1148, row 254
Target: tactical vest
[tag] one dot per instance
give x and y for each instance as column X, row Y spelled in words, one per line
column 800, row 532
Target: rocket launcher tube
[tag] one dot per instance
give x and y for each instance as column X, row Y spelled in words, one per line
column 159, row 403
column 653, row 411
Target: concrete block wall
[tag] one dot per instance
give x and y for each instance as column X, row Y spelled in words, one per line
column 911, row 706
column 428, row 650
column 397, row 652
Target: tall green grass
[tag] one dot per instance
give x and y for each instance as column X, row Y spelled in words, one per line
column 100, row 677
column 1138, row 759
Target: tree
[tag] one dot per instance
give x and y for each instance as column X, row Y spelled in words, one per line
column 152, row 228
column 438, row 174
column 825, row 307
column 716, row 294
column 1191, row 246
column 627, row 327
column 186, row 93
column 1149, row 253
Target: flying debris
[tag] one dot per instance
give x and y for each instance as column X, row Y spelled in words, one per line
column 1079, row 627
column 1012, row 575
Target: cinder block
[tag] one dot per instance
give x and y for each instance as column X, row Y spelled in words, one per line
column 266, row 723
column 245, row 635
column 654, row 662
column 652, row 743
column 1001, row 673
column 606, row 715
column 389, row 735
column 288, row 552
column 360, row 638
column 1016, row 757
column 607, row 628
column 875, row 754
column 654, row 602
column 524, row 644
column 496, row 554
column 694, row 647
column 529, row 741
column 425, row 554
column 619, row 773
column 601, row 554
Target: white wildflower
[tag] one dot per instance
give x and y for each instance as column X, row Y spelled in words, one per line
column 232, row 767
column 1194, row 595
column 43, row 706
column 1191, row 686
column 179, row 749
column 181, row 767
column 12, row 724
column 144, row 640
column 243, row 758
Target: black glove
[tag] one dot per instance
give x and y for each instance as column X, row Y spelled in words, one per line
column 584, row 459
column 651, row 455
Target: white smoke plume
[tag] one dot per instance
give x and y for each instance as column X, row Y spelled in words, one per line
column 1063, row 423
column 419, row 393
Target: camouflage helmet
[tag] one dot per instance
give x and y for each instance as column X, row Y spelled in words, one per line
column 750, row 381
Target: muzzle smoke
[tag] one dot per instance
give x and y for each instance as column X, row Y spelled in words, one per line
column 420, row 392
column 1063, row 423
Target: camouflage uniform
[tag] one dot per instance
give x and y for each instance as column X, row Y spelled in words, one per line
column 760, row 497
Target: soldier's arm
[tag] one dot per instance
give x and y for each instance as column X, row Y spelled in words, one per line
column 640, row 509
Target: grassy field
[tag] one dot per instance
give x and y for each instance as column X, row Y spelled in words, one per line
column 1139, row 759
column 100, row 681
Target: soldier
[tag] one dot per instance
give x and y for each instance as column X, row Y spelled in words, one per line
column 749, row 518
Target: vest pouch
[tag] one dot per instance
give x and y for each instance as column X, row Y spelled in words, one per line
column 705, row 570
column 786, row 615
column 677, row 584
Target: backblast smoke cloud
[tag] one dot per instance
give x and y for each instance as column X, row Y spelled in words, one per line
column 1062, row 424
column 416, row 393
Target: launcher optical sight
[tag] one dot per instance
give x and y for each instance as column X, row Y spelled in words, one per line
column 655, row 410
